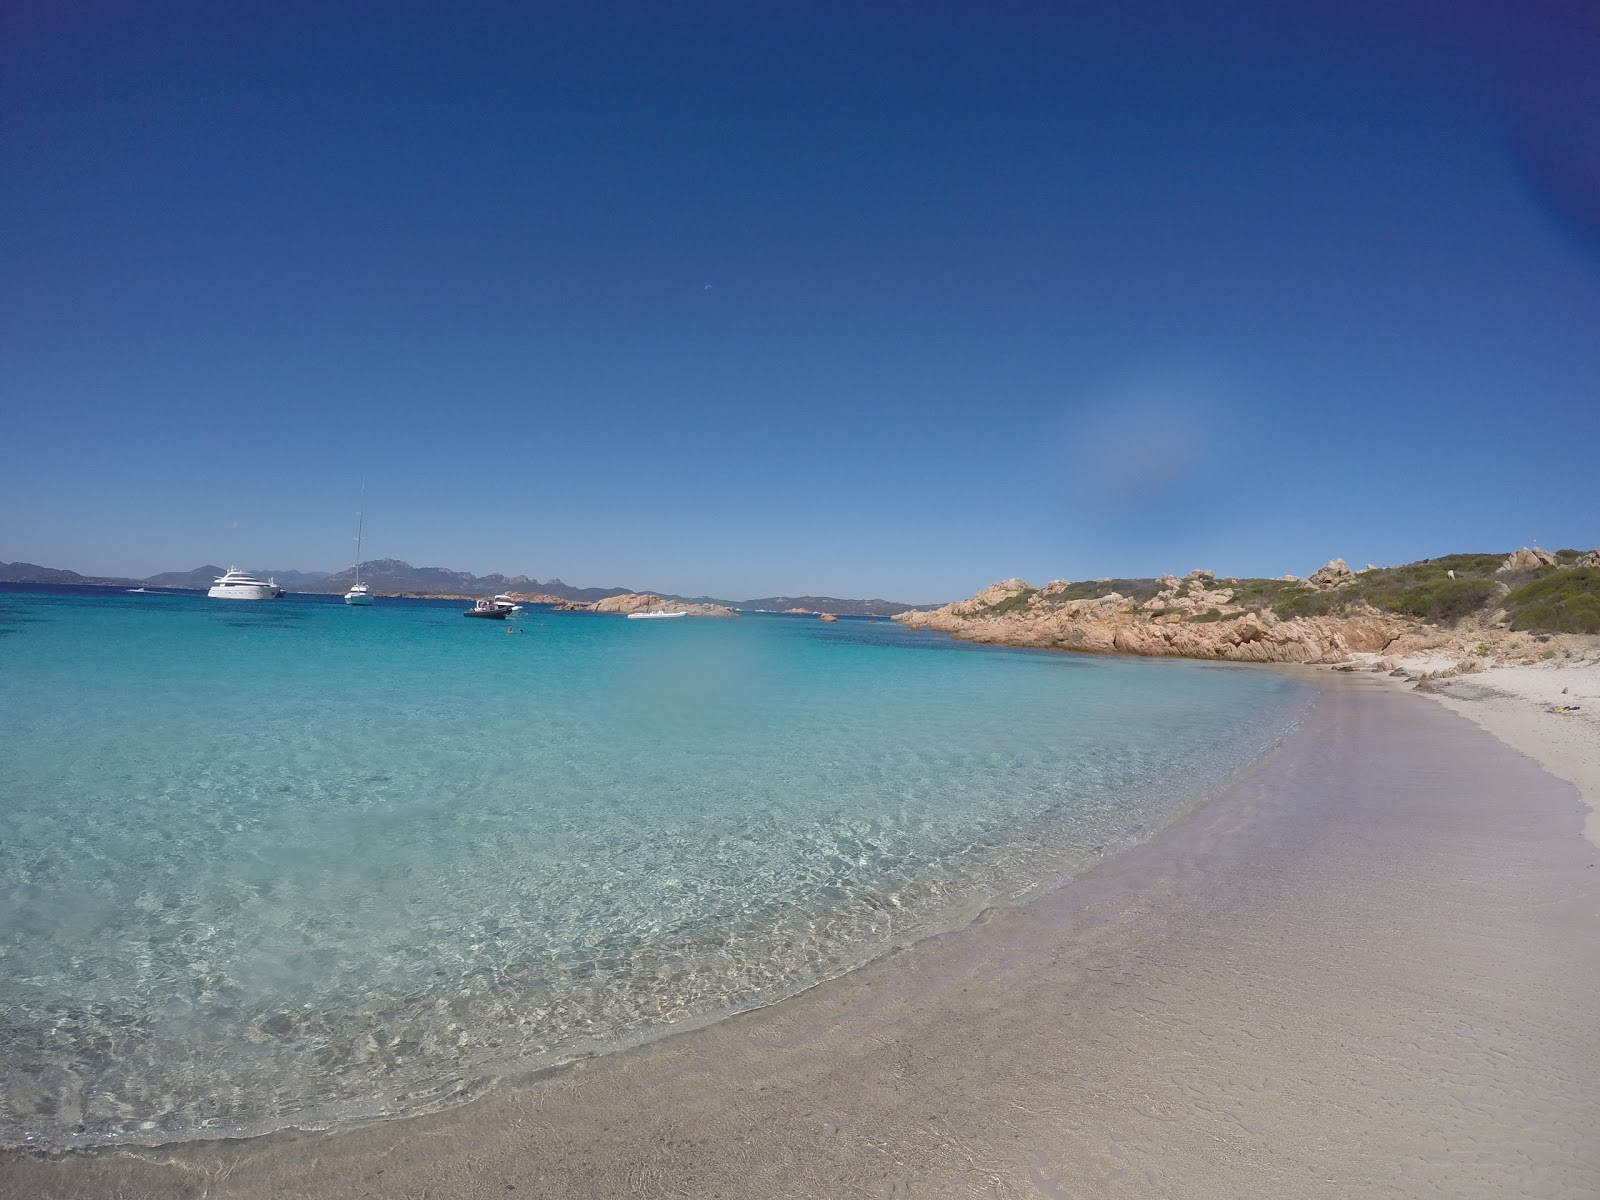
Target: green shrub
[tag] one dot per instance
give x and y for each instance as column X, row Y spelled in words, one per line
column 1560, row 599
column 1214, row 614
column 1515, row 579
column 1011, row 604
column 1303, row 602
column 1566, row 601
column 1483, row 565
column 1264, row 593
column 1442, row 599
column 1137, row 590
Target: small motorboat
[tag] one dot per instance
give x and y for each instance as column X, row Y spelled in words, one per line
column 654, row 616
column 489, row 610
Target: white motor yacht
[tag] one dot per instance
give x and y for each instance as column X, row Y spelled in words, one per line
column 241, row 585
column 504, row 601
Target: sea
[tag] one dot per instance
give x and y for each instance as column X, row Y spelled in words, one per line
column 268, row 866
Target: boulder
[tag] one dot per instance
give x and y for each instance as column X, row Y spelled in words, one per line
column 995, row 593
column 1527, row 560
column 636, row 602
column 629, row 602
column 1331, row 574
column 1004, row 590
column 826, row 617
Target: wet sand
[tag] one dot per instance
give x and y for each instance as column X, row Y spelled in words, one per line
column 1550, row 712
column 1370, row 969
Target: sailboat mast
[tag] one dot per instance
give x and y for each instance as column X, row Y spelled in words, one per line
column 361, row 522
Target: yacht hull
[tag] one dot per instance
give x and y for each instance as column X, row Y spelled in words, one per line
column 361, row 598
column 245, row 591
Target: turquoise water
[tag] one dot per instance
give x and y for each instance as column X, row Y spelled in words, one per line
column 298, row 864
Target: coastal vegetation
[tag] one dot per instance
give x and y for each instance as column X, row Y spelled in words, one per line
column 1011, row 604
column 1427, row 590
column 1551, row 598
column 1466, row 605
column 1215, row 614
column 1565, row 601
column 1139, row 590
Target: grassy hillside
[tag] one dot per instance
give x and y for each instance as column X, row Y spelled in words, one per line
column 1542, row 599
column 1559, row 599
column 1566, row 601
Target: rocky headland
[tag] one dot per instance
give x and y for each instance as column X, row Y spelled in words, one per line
column 1523, row 607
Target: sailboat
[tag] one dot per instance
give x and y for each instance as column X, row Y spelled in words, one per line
column 358, row 593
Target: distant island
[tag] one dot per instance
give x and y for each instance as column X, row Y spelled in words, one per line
column 394, row 577
column 1521, row 606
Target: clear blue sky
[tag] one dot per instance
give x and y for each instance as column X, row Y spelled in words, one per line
column 751, row 298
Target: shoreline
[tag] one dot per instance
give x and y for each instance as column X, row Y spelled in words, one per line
column 1546, row 710
column 1352, row 974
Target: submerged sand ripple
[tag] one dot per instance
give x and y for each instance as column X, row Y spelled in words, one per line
column 1370, row 971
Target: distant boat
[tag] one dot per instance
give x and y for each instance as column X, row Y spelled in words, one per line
column 503, row 600
column 489, row 610
column 241, row 585
column 358, row 593
column 654, row 616
column 135, row 590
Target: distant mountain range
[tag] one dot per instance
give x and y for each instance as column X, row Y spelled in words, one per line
column 392, row 577
column 22, row 572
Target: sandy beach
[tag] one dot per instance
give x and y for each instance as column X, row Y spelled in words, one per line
column 1549, row 711
column 1369, row 969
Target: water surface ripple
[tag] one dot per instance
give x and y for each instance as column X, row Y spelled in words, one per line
column 298, row 864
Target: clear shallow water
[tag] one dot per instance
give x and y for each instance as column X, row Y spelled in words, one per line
column 294, row 863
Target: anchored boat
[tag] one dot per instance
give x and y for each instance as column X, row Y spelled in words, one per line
column 241, row 585
column 358, row 593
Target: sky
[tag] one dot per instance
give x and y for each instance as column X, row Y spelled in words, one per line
column 855, row 299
